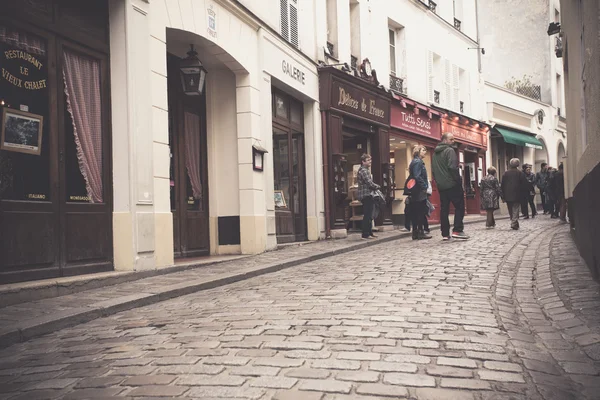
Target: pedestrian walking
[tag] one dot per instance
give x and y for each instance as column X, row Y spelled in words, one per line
column 418, row 193
column 541, row 181
column 529, row 193
column 366, row 187
column 444, row 167
column 551, row 193
column 490, row 196
column 513, row 185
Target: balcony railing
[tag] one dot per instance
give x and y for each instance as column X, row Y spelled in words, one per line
column 354, row 62
column 331, row 48
column 558, row 48
column 462, row 106
column 457, row 23
column 397, row 84
column 436, row 97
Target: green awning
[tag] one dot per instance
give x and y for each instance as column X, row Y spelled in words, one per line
column 519, row 139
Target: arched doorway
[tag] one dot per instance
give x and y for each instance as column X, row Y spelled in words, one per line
column 540, row 156
column 561, row 154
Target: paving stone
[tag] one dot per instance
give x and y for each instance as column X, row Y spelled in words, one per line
column 457, row 362
column 361, row 356
column 100, row 382
column 407, row 358
column 293, row 346
column 437, row 370
column 503, row 366
column 579, row 368
column 534, row 365
column 336, row 364
column 55, row 384
column 297, row 395
column 457, row 383
column 384, row 366
column 92, row 393
column 226, row 360
column 325, row 386
column 409, row 380
column 443, row 394
column 500, row 376
column 224, row 392
column 149, row 380
column 308, row 373
column 359, row 376
column 191, row 369
column 486, row 356
column 254, row 371
column 375, row 389
column 211, row 380
column 273, row 382
column 158, row 390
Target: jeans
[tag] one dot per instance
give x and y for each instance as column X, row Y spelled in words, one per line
column 513, row 211
column 562, row 204
column 543, row 196
column 367, row 222
column 490, row 218
column 455, row 196
column 418, row 211
column 528, row 201
column 407, row 216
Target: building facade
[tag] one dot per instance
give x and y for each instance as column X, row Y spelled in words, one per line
column 580, row 30
column 524, row 83
column 160, row 175
column 427, row 56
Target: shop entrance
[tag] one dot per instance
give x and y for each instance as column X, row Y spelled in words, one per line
column 188, row 169
column 470, row 179
column 354, row 145
column 289, row 168
column 55, row 165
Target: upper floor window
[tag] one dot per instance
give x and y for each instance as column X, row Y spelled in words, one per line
column 332, row 28
column 457, row 7
column 289, row 21
column 392, row 34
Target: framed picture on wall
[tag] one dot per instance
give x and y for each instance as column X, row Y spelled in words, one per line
column 21, row 132
column 280, row 199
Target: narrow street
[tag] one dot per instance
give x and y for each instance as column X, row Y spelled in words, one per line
column 511, row 315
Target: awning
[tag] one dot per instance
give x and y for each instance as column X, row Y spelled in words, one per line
column 518, row 138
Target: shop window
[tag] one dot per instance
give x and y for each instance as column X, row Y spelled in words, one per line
column 281, row 167
column 281, row 107
column 296, row 116
column 24, row 101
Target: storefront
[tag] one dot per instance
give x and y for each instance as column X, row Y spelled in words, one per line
column 355, row 119
column 412, row 124
column 472, row 137
column 55, row 150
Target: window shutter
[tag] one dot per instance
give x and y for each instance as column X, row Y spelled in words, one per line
column 294, row 25
column 430, row 87
column 447, row 84
column 285, row 24
column 455, row 88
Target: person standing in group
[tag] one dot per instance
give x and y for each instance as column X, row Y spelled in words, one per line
column 366, row 186
column 551, row 193
column 444, row 168
column 513, row 186
column 490, row 196
column 529, row 193
column 418, row 194
column 541, row 181
column 559, row 193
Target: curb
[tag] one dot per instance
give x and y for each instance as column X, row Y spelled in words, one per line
column 63, row 319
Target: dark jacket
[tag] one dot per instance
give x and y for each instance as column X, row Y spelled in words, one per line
column 419, row 172
column 490, row 193
column 444, row 167
column 559, row 185
column 530, row 183
column 541, row 180
column 514, row 185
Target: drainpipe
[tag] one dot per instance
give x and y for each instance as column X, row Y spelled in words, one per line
column 324, row 132
column 477, row 32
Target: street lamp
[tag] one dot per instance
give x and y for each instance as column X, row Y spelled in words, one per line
column 193, row 74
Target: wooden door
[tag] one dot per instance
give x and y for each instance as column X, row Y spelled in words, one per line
column 188, row 170
column 49, row 226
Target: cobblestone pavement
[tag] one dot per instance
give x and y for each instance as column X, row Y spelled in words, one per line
column 506, row 315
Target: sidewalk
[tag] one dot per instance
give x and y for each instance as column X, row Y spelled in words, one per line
column 23, row 321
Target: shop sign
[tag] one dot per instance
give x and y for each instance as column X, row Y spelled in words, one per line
column 465, row 134
column 420, row 124
column 293, row 72
column 23, row 70
column 361, row 103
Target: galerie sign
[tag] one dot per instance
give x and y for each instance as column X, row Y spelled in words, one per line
column 23, row 70
column 359, row 102
column 293, row 72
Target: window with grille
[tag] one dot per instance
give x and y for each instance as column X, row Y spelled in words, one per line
column 289, row 21
column 392, row 34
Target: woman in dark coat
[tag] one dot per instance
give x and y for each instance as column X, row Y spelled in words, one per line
column 490, row 196
column 418, row 195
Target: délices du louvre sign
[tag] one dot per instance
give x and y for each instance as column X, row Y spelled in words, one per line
column 23, row 70
column 359, row 102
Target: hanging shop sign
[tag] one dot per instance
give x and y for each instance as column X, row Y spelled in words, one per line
column 465, row 133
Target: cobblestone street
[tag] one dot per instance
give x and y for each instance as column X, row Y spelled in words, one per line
column 505, row 315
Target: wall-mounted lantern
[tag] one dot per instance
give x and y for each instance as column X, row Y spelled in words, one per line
column 258, row 157
column 193, row 74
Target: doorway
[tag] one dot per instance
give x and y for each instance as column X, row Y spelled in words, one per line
column 55, row 164
column 470, row 182
column 188, row 168
column 289, row 168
